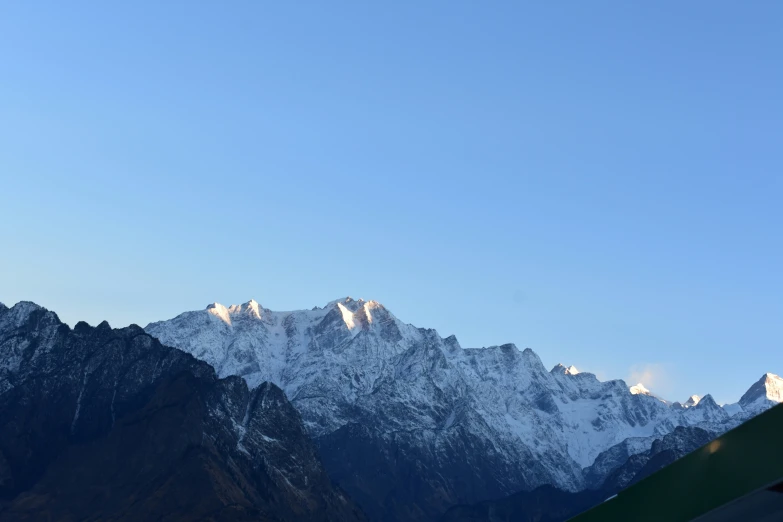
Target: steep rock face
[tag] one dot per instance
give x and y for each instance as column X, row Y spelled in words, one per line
column 451, row 425
column 110, row 424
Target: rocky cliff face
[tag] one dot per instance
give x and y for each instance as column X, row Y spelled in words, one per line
column 110, row 424
column 410, row 423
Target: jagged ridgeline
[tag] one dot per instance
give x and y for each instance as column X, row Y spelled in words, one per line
column 112, row 424
column 411, row 424
column 106, row 424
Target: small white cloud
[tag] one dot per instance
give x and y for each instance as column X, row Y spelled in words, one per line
column 654, row 376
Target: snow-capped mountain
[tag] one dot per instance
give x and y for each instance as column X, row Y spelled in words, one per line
column 451, row 424
column 766, row 392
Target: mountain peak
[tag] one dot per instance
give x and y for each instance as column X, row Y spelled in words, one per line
column 767, row 389
column 26, row 307
column 219, row 311
column 560, row 368
column 250, row 308
column 693, row 400
column 360, row 314
column 348, row 318
column 347, row 301
column 21, row 312
column 773, row 381
column 707, row 403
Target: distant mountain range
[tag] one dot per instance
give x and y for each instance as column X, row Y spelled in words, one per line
column 385, row 420
column 410, row 424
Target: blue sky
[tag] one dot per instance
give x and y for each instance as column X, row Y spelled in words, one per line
column 600, row 181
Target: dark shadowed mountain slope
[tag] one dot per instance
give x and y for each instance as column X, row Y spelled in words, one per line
column 102, row 424
column 550, row 504
column 543, row 504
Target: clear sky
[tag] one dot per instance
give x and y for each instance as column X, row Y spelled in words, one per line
column 599, row 181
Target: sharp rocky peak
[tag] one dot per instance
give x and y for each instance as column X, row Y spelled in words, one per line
column 769, row 388
column 561, row 368
column 706, row 402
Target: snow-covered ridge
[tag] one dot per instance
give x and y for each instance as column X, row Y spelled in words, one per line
column 353, row 361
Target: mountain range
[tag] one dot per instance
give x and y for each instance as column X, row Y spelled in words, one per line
column 410, row 424
column 342, row 412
